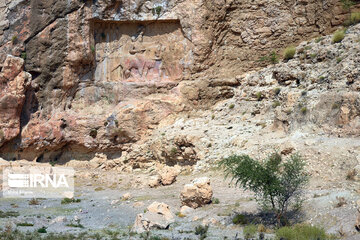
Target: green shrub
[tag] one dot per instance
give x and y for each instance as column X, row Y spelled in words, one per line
column 338, row 36
column 249, row 231
column 275, row 104
column 289, row 53
column 231, row 106
column 347, row 4
column 303, row 110
column 173, row 151
column 215, row 201
column 201, row 230
column 42, row 230
column 75, row 225
column 301, row 232
column 8, row 214
column 24, row 224
column 272, row 58
column 259, row 96
column 92, row 49
column 14, row 39
column 240, row 219
column 355, row 18
column 277, row 184
column 70, row 200
column 319, row 39
column 157, row 10
column 23, row 55
column 338, row 59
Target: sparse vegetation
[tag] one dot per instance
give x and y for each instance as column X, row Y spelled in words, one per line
column 259, row 96
column 173, row 151
column 70, row 200
column 92, row 48
column 355, row 18
column 14, row 39
column 277, row 91
column 351, row 174
column 319, row 39
column 75, row 225
column 201, row 230
column 34, row 201
column 289, row 53
column 215, row 201
column 338, row 36
column 24, row 224
column 23, row 55
column 313, row 55
column 271, row 58
column 321, row 79
column 347, row 4
column 249, row 231
column 8, row 214
column 338, row 59
column 275, row 104
column 179, row 214
column 302, row 232
column 157, row 10
column 42, row 230
column 303, row 110
column 240, row 219
column 231, row 106
column 277, row 184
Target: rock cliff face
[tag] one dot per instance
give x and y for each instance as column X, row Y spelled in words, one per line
column 79, row 77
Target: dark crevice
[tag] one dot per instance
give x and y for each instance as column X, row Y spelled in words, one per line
column 34, row 74
column 30, row 106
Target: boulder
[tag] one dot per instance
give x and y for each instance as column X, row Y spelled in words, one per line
column 196, row 194
column 154, row 181
column 168, row 174
column 158, row 216
column 185, row 210
column 126, row 196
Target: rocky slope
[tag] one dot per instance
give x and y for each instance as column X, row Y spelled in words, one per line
column 106, row 73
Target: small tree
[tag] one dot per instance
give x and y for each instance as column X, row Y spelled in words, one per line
column 277, row 184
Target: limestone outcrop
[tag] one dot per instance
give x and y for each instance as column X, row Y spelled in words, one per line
column 105, row 74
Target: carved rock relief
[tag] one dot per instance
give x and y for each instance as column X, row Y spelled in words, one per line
column 140, row 52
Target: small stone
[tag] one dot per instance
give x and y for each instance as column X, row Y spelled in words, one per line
column 126, row 196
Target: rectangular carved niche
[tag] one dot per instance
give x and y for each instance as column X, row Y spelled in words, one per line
column 140, row 51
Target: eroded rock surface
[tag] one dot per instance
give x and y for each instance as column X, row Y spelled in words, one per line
column 98, row 86
column 158, row 216
column 197, row 193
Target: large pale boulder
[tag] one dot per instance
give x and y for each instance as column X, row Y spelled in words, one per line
column 168, row 174
column 158, row 216
column 197, row 193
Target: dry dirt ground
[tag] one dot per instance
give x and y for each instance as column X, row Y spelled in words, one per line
column 103, row 211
